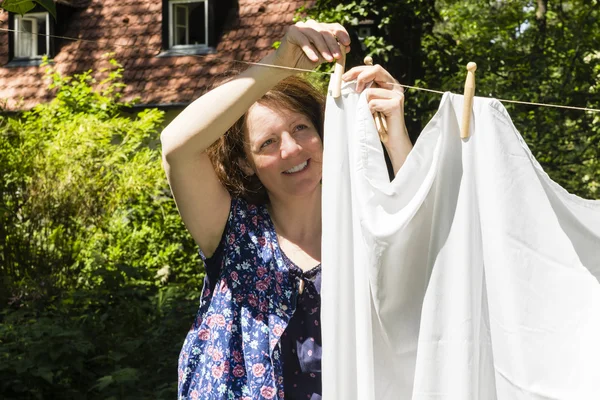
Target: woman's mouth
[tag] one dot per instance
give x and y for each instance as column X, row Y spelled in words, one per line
column 297, row 168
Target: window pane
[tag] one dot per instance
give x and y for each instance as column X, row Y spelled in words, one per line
column 41, row 38
column 26, row 25
column 180, row 36
column 180, row 15
column 24, row 45
column 188, row 24
column 197, row 24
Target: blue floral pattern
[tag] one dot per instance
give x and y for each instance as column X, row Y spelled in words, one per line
column 233, row 349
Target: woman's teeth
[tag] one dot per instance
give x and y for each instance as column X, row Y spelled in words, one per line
column 297, row 168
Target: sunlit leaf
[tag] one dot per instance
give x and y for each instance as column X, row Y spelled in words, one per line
column 18, row 6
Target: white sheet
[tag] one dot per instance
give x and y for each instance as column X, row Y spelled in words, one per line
column 471, row 276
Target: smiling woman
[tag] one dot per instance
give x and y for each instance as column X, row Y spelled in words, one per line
column 287, row 150
column 300, row 105
column 244, row 163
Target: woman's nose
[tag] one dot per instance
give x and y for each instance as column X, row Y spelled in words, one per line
column 289, row 146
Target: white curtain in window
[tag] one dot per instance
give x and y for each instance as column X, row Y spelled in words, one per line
column 181, row 24
column 25, row 37
column 471, row 275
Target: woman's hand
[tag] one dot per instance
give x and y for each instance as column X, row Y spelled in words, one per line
column 385, row 96
column 308, row 44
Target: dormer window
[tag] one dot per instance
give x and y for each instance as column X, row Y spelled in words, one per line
column 31, row 36
column 191, row 27
column 188, row 24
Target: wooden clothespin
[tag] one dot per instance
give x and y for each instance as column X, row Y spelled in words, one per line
column 380, row 121
column 336, row 91
column 468, row 100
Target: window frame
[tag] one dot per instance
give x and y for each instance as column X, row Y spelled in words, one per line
column 17, row 43
column 172, row 27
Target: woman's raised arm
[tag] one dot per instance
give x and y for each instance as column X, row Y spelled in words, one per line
column 202, row 200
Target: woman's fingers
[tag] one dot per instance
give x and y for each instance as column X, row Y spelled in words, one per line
column 353, row 73
column 366, row 74
column 306, row 44
column 382, row 93
column 329, row 34
column 385, row 96
column 340, row 33
column 297, row 37
column 388, row 107
column 385, row 101
column 319, row 39
column 322, row 37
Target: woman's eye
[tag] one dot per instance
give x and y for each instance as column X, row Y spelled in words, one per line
column 300, row 127
column 266, row 143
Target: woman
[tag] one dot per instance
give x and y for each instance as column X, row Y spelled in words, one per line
column 244, row 165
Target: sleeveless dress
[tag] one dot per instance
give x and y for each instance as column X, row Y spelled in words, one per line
column 255, row 336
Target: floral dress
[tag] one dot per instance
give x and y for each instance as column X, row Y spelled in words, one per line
column 255, row 336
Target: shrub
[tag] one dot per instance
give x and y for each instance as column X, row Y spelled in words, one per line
column 100, row 275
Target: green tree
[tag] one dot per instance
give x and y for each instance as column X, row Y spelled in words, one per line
column 100, row 278
column 399, row 29
column 538, row 51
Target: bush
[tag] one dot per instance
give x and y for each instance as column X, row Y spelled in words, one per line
column 100, row 277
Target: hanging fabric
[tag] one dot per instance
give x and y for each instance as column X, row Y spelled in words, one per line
column 472, row 275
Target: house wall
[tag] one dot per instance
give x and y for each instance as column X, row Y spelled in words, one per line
column 132, row 31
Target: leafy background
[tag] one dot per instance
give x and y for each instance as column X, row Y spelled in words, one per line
column 536, row 51
column 99, row 279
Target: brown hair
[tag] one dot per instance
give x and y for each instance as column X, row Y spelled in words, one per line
column 228, row 153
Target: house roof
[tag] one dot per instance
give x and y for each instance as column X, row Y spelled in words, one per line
column 131, row 29
column 74, row 3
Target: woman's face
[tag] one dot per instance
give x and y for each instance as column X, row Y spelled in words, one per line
column 284, row 150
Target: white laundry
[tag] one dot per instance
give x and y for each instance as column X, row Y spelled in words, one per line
column 471, row 275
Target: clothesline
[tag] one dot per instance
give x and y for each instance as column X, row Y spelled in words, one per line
column 175, row 52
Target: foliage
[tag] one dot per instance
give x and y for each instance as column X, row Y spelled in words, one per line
column 386, row 16
column 538, row 51
column 24, row 6
column 349, row 14
column 398, row 29
column 531, row 53
column 100, row 278
column 119, row 343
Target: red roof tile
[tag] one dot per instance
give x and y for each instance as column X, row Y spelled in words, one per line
column 132, row 31
column 74, row 3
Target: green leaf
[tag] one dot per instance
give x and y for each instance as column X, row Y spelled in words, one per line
column 18, row 6
column 104, row 382
column 24, row 6
column 49, row 6
column 46, row 374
